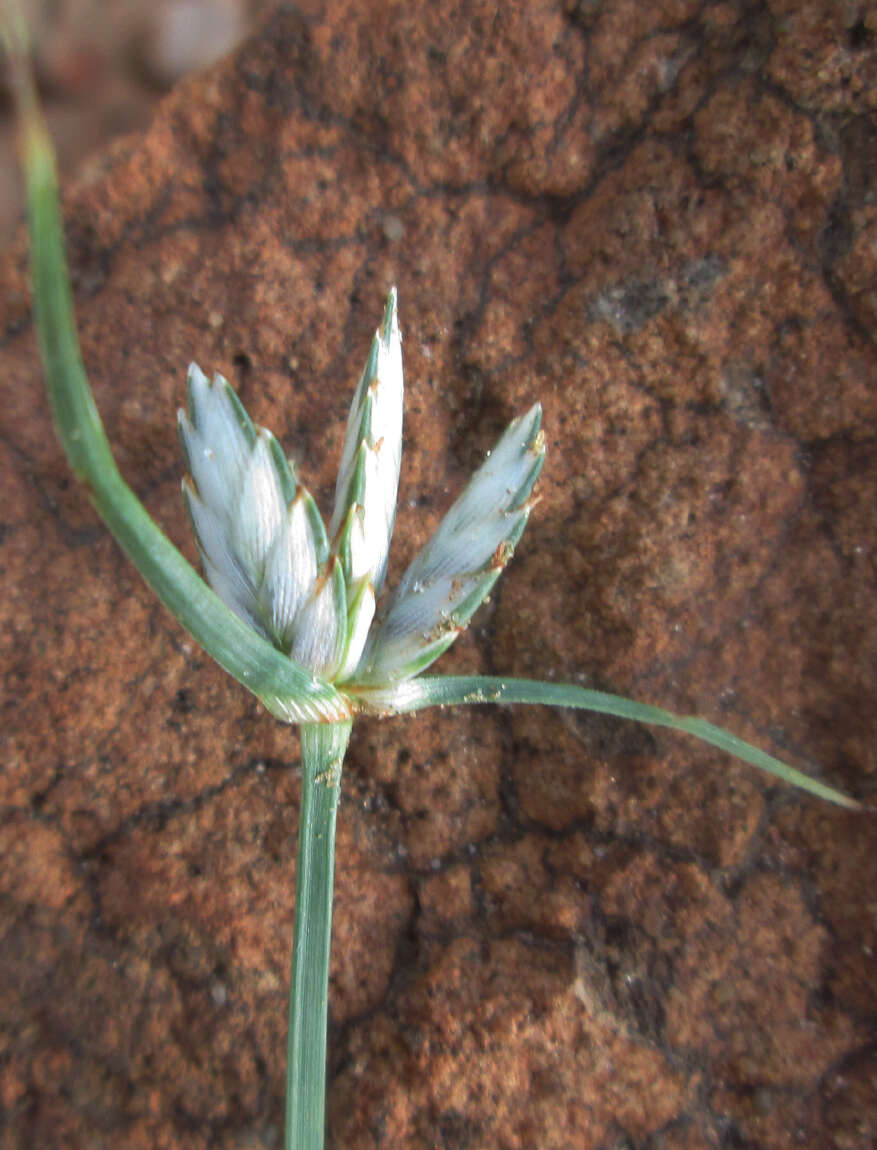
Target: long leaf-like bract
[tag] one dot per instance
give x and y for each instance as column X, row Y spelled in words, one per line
column 451, row 690
column 287, row 689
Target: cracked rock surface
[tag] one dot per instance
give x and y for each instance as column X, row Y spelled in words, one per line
column 550, row 931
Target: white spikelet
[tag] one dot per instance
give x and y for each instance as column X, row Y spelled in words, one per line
column 320, row 635
column 291, row 569
column 261, row 504
column 217, row 437
column 368, row 478
column 449, row 579
column 262, row 541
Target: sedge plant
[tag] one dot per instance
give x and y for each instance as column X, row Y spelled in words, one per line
column 292, row 607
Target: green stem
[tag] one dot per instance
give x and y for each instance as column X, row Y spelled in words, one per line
column 453, row 690
column 288, row 690
column 322, row 754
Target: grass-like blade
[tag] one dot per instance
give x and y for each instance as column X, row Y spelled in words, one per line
column 287, row 689
column 452, row 690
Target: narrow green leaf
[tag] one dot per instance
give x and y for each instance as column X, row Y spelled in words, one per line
column 452, row 690
column 287, row 689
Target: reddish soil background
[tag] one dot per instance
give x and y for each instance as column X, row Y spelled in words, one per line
column 551, row 931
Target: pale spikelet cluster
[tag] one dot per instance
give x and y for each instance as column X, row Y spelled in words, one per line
column 267, row 554
column 450, row 578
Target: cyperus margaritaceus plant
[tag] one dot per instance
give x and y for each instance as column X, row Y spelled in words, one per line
column 312, row 593
column 294, row 609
